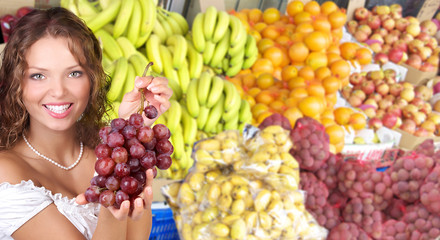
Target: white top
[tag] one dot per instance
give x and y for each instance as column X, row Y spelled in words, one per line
column 20, row 202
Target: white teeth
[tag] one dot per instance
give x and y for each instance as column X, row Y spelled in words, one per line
column 58, row 108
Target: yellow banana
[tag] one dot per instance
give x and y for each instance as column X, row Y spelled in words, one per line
column 159, row 31
column 85, row 8
column 237, row 59
column 216, row 91
column 174, row 116
column 234, row 69
column 225, row 64
column 183, row 24
column 237, row 30
column 229, row 114
column 138, row 63
column 189, row 125
column 209, row 51
column 134, row 27
column 180, row 49
column 121, row 22
column 104, row 3
column 169, row 72
column 162, row 119
column 251, row 46
column 203, row 87
column 215, row 115
column 148, row 20
column 245, row 114
column 191, row 98
column 178, row 144
column 249, row 61
column 232, row 124
column 195, row 61
column 118, row 80
column 104, row 17
column 209, row 22
column 174, row 25
column 129, row 80
column 126, row 46
column 108, row 27
column 198, row 37
column 106, row 64
column 110, row 46
column 166, row 26
column 221, row 26
column 220, row 51
column 184, row 78
column 232, row 96
column 70, row 5
column 203, row 117
column 233, row 51
column 153, row 53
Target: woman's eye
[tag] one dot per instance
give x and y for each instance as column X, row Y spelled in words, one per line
column 75, row 74
column 37, row 76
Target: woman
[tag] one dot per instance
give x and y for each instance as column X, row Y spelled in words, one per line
column 52, row 104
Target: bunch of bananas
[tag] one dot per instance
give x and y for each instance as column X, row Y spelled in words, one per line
column 257, row 202
column 223, row 41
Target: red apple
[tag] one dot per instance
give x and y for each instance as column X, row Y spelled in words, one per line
column 377, row 37
column 375, row 123
column 386, row 48
column 370, row 112
column 382, row 31
column 395, row 7
column 400, row 102
column 395, row 55
column 421, row 132
column 396, row 15
column 381, row 58
column 401, row 24
column 376, row 47
column 423, row 92
column 426, row 108
column 413, row 29
column 388, row 24
column 354, row 101
column 384, row 103
column 418, row 117
column 346, row 92
column 360, row 94
column 380, row 113
column 407, row 94
column 371, row 102
column 375, row 96
column 361, row 13
column 374, row 22
column 394, row 109
column 414, row 45
column 360, row 36
column 389, row 120
column 368, row 87
column 408, row 125
column 409, row 110
column 406, row 37
column 383, row 10
column 356, row 78
column 432, row 44
column 414, row 60
column 436, row 88
column 383, row 89
column 427, row 67
column 395, row 89
column 390, row 97
column 352, row 26
column 375, row 75
column 401, row 44
column 428, row 125
column 428, row 26
column 365, row 28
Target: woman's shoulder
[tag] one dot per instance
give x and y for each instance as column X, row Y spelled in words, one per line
column 13, row 168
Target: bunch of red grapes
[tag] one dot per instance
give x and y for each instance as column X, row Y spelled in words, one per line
column 394, row 230
column 422, row 225
column 396, row 208
column 275, row 119
column 347, row 231
column 127, row 150
column 310, row 143
column 328, row 173
column 316, row 190
column 430, row 191
column 408, row 173
column 327, row 216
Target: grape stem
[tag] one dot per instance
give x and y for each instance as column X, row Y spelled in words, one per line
column 142, row 90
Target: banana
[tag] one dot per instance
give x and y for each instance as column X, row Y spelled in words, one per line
column 110, row 46
column 245, row 114
column 220, row 51
column 184, row 78
column 138, row 63
column 233, row 51
column 104, row 3
column 183, row 24
column 219, row 128
column 169, row 72
column 225, row 64
column 234, row 111
column 118, row 80
column 121, row 22
column 232, row 97
column 159, row 31
column 203, row 117
column 198, row 37
column 189, row 125
column 251, row 46
column 180, row 49
column 191, row 98
column 108, row 27
column 148, row 20
column 209, row 22
column 86, row 9
column 134, row 27
column 129, row 80
column 104, row 17
column 174, row 116
column 237, row 59
column 166, row 26
column 70, row 4
column 249, row 61
column 153, row 53
column 162, row 119
column 195, row 61
column 203, row 87
column 106, row 63
column 174, row 25
column 215, row 115
column 216, row 91
column 126, row 46
column 232, row 124
column 234, row 69
column 209, row 51
column 237, row 30
column 221, row 26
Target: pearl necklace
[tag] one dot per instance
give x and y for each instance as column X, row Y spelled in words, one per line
column 52, row 161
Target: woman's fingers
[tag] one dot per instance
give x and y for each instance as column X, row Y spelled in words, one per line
column 121, row 213
column 81, row 199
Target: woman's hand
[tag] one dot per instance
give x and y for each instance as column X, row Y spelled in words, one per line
column 156, row 92
column 142, row 204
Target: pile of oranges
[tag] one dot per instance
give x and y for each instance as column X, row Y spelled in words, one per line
column 302, row 64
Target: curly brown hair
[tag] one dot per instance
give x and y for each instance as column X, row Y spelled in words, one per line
column 55, row 22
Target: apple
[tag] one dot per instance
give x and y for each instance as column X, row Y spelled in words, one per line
column 408, row 125
column 414, row 60
column 434, row 60
column 354, row 101
column 429, row 27
column 423, row 92
column 383, row 89
column 418, row 102
column 377, row 37
column 370, row 112
column 384, row 103
column 375, row 123
column 356, row 78
column 380, row 113
column 390, row 97
column 394, row 109
column 346, row 92
column 361, row 13
column 418, row 117
column 395, row 55
column 413, row 19
column 395, row 89
column 388, row 24
column 413, row 29
column 401, row 24
column 407, row 94
column 426, row 108
column 375, row 96
column 406, row 37
column 371, row 102
column 365, row 28
column 427, row 67
column 389, row 120
column 383, row 10
column 414, row 45
column 391, row 38
column 395, row 7
column 433, row 45
column 376, row 47
column 400, row 102
column 390, row 73
column 401, row 44
column 352, row 26
column 374, row 22
column 409, row 110
column 428, row 125
column 382, row 31
column 368, row 87
column 436, row 88
column 375, row 75
column 360, row 36
column 23, row 11
column 435, row 117
column 396, row 15
column 424, row 37
column 421, row 132
column 360, row 94
column 381, row 58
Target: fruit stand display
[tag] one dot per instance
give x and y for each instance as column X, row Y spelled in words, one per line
column 303, row 124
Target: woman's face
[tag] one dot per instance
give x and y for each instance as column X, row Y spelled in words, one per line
column 55, row 87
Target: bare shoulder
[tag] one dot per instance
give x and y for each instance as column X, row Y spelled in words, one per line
column 13, row 168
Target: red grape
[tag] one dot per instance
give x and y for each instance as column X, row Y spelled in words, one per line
column 316, row 190
column 347, row 231
column 119, row 155
column 103, row 150
column 164, row 146
column 148, row 160
column 137, row 150
column 430, row 191
column 134, row 164
column 129, row 132
column 107, row 198
column 276, row 119
column 104, row 166
column 118, row 124
column 112, row 183
column 122, row 170
column 161, row 131
column 163, row 161
column 115, row 139
column 141, row 176
column 328, row 173
column 129, row 184
column 151, row 144
column 150, row 111
column 136, row 120
column 92, row 194
column 145, row 134
column 104, row 132
column 121, row 196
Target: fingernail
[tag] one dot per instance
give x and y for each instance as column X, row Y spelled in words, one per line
column 149, row 191
column 125, row 205
column 139, row 202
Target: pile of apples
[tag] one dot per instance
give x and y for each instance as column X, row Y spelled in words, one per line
column 387, row 102
column 8, row 21
column 396, row 38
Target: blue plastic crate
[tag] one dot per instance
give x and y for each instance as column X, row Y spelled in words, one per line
column 163, row 225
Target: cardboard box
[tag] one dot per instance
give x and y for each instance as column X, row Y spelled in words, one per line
column 158, row 183
column 417, row 77
column 352, row 6
column 428, row 9
column 410, row 142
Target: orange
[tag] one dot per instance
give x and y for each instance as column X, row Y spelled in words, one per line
column 337, row 19
column 316, row 41
column 312, row 7
column 259, row 108
column 334, row 49
column 285, row 60
column 260, row 26
column 262, row 116
column 283, row 40
column 291, row 102
column 274, row 54
column 358, row 121
column 307, row 73
column 304, row 27
column 298, row 52
column 315, row 89
column 294, row 7
column 288, row 72
column 293, row 114
column 325, row 121
column 271, row 15
column 283, row 94
column 340, row 69
column 249, row 99
column 316, row 60
column 265, row 80
column 331, row 99
column 297, row 37
column 298, row 93
column 302, row 17
column 265, row 43
column 254, row 33
column 311, row 106
column 255, row 15
column 322, row 24
column 342, row 115
column 364, row 56
column 336, row 35
column 328, row 113
column 278, row 106
column 263, row 65
column 248, row 81
column 331, row 84
column 277, row 76
column 322, row 72
column 254, row 91
column 332, row 57
column 270, row 31
column 296, row 82
column 336, row 133
column 264, row 97
column 328, row 7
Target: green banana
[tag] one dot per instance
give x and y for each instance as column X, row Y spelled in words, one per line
column 195, row 61
column 174, row 116
column 235, row 68
column 203, row 87
column 159, row 31
column 118, row 79
column 220, row 51
column 218, row 129
column 126, row 46
column 184, row 78
column 232, row 124
column 215, row 92
column 209, row 51
column 170, row 72
column 238, row 32
column 215, row 115
column 180, row 49
column 121, row 22
column 148, row 20
column 104, row 17
column 153, row 53
column 198, row 37
column 221, row 26
column 129, row 80
column 110, row 46
column 245, row 114
column 134, row 27
column 251, row 46
column 138, row 63
column 249, row 61
column 231, row 94
column 189, row 125
column 203, row 117
column 183, row 24
column 191, row 98
column 209, row 22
